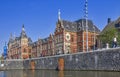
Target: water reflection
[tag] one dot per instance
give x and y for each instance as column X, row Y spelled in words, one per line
column 61, row 74
column 52, row 73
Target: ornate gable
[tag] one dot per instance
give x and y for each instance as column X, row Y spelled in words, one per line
column 59, row 27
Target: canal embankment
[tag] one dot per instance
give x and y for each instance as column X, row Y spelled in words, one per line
column 106, row 59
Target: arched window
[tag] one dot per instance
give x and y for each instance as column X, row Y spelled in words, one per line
column 24, row 50
column 72, row 38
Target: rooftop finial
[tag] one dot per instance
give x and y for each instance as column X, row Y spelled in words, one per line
column 59, row 13
column 23, row 29
column 11, row 37
column 23, row 34
column 14, row 36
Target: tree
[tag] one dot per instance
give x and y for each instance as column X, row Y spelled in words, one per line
column 108, row 35
column 118, row 37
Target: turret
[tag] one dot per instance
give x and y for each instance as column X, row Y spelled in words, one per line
column 23, row 34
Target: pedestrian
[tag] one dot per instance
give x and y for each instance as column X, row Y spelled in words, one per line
column 115, row 42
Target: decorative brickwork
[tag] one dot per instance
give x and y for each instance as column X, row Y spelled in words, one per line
column 18, row 46
column 67, row 39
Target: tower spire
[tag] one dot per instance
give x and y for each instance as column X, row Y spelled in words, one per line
column 14, row 36
column 86, row 19
column 23, row 29
column 11, row 36
column 23, row 34
column 59, row 15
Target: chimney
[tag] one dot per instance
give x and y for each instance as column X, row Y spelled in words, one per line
column 109, row 20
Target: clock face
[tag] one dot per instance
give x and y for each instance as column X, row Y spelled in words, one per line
column 67, row 36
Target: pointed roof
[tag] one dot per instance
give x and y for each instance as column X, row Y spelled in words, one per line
column 59, row 13
column 11, row 38
column 23, row 28
column 23, row 33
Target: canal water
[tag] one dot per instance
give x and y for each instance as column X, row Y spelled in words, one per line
column 52, row 73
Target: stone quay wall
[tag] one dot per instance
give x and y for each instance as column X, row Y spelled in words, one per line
column 11, row 64
column 107, row 60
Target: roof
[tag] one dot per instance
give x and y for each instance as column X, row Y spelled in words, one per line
column 70, row 26
column 45, row 40
column 79, row 25
column 22, row 35
column 112, row 24
column 91, row 27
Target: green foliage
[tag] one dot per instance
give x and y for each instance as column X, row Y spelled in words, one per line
column 108, row 35
column 1, row 58
column 118, row 38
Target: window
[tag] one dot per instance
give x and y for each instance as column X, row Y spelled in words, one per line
column 56, row 40
column 92, row 38
column 61, row 38
column 29, row 50
column 117, row 25
column 24, row 50
column 72, row 38
column 67, row 26
column 79, row 39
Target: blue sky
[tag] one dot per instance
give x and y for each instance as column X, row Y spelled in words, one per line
column 40, row 16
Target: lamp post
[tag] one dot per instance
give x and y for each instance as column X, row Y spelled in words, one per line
column 86, row 22
column 94, row 38
column 82, row 29
column 83, row 34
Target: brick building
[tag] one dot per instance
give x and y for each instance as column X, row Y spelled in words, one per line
column 68, row 37
column 18, row 46
column 43, row 47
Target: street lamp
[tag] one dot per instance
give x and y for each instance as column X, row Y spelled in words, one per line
column 81, row 27
column 94, row 38
column 83, row 34
column 86, row 19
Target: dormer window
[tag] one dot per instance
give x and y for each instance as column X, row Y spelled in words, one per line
column 73, row 27
column 117, row 25
column 67, row 26
column 79, row 27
